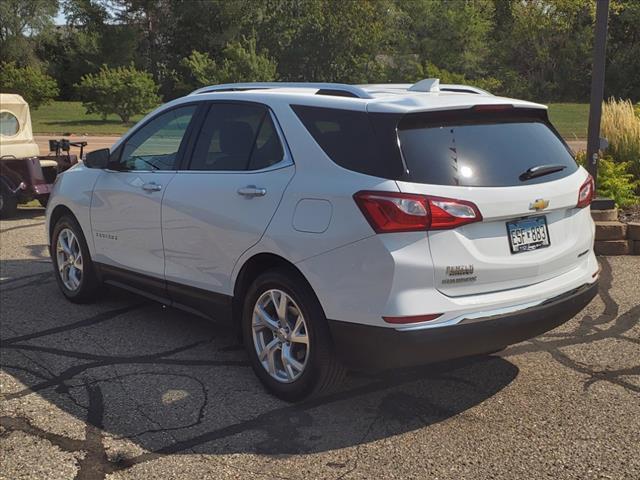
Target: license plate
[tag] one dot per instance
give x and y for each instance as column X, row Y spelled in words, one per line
column 528, row 234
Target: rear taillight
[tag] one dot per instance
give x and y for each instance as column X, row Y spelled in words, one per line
column 448, row 213
column 406, row 212
column 586, row 193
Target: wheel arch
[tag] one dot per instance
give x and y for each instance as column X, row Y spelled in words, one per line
column 56, row 214
column 255, row 266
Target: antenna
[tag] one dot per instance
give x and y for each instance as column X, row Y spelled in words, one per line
column 426, row 85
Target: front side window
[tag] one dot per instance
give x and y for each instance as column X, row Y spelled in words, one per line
column 9, row 125
column 237, row 137
column 155, row 146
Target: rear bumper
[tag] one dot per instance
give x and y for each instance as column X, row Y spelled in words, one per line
column 363, row 346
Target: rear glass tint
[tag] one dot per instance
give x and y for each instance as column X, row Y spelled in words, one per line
column 349, row 139
column 483, row 151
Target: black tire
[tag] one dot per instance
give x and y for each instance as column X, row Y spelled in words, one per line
column 43, row 201
column 323, row 370
column 89, row 283
column 8, row 201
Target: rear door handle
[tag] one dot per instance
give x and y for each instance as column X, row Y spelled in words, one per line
column 252, row 191
column 151, row 187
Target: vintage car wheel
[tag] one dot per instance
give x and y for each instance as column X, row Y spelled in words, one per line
column 8, row 201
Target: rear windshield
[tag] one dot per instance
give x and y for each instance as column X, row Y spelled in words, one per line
column 488, row 150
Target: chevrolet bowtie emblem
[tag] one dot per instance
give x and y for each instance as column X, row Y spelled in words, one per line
column 539, row 204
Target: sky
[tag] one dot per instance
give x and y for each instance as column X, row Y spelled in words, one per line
column 60, row 18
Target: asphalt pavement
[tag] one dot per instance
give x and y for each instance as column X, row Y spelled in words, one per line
column 126, row 389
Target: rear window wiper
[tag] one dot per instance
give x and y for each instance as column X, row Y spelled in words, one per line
column 541, row 170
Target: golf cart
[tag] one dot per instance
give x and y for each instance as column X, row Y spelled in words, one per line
column 26, row 175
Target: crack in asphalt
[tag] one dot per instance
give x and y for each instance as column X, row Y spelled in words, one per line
column 280, row 425
column 108, row 360
column 39, row 279
column 19, row 227
column 94, row 320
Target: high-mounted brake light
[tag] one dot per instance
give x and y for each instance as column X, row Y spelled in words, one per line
column 586, row 193
column 492, row 108
column 389, row 212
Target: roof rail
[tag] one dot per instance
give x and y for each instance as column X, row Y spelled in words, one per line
column 340, row 89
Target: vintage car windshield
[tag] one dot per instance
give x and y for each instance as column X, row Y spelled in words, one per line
column 9, row 125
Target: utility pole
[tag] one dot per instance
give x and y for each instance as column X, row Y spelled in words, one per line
column 597, row 86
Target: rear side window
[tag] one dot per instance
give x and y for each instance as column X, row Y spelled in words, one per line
column 267, row 149
column 237, row 137
column 489, row 150
column 348, row 138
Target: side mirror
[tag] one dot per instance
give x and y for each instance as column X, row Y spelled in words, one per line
column 97, row 158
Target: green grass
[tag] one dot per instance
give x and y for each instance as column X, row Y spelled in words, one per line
column 59, row 118
column 571, row 119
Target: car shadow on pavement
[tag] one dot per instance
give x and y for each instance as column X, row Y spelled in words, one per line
column 26, row 213
column 151, row 381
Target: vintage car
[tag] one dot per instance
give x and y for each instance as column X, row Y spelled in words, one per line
column 26, row 175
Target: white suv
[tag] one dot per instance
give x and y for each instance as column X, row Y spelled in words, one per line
column 337, row 225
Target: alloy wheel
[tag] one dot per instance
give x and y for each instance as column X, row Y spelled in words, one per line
column 280, row 336
column 69, row 259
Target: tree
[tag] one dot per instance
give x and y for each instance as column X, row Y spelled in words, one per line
column 544, row 50
column 240, row 63
column 200, row 70
column 623, row 45
column 20, row 23
column 124, row 91
column 35, row 86
column 452, row 34
column 327, row 40
column 538, row 49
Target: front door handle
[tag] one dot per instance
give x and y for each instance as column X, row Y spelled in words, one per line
column 251, row 191
column 151, row 187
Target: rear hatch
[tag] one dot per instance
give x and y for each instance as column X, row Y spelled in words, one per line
column 520, row 174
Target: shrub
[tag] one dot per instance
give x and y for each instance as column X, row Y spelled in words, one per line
column 124, row 91
column 621, row 127
column 201, row 70
column 35, row 86
column 240, row 63
column 614, row 180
